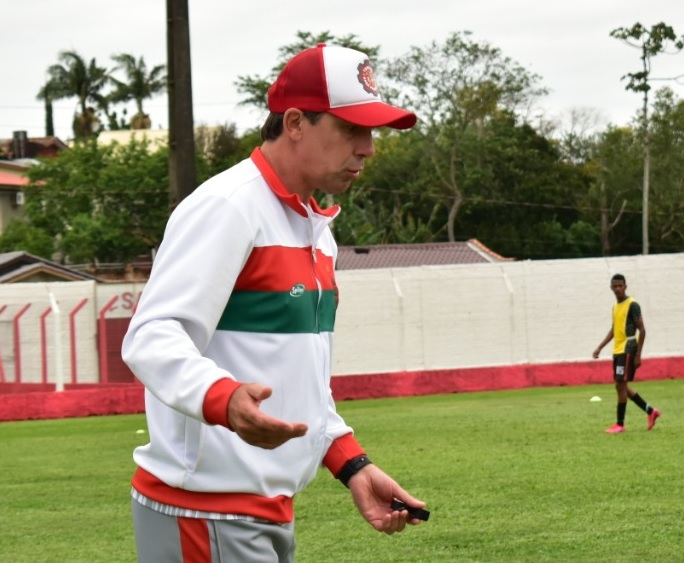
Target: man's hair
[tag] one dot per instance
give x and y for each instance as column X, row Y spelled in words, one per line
column 273, row 126
column 618, row 277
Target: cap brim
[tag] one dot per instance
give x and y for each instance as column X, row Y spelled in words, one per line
column 376, row 114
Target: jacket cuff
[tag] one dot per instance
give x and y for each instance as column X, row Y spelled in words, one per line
column 340, row 452
column 215, row 406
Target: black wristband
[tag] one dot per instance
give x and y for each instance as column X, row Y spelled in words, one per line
column 351, row 468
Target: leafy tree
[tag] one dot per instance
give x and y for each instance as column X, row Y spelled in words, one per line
column 391, row 201
column 138, row 86
column 667, row 151
column 73, row 77
column 96, row 204
column 525, row 198
column 650, row 42
column 457, row 88
column 613, row 201
column 218, row 148
column 20, row 234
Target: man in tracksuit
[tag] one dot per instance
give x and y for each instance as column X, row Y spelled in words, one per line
column 233, row 334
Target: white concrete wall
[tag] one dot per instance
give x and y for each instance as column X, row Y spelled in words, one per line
column 500, row 314
column 411, row 319
column 68, row 296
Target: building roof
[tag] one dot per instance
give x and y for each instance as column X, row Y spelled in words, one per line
column 34, row 147
column 406, row 255
column 12, row 179
column 24, row 267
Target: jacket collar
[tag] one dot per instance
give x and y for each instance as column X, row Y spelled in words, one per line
column 293, row 201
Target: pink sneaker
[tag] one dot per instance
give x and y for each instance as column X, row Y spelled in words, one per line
column 655, row 413
column 615, row 429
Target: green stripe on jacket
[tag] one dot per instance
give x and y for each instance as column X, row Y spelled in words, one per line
column 279, row 312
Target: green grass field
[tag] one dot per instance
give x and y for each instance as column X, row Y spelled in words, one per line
column 524, row 475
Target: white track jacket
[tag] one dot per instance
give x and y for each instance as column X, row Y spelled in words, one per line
column 242, row 290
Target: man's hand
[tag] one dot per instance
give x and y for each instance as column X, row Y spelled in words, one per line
column 255, row 427
column 373, row 492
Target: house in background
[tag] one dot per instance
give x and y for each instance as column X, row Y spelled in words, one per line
column 12, row 182
column 24, row 267
column 423, row 254
column 155, row 137
column 17, row 155
column 21, row 146
column 23, row 152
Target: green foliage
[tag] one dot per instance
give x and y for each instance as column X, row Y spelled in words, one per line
column 218, row 148
column 459, row 89
column 614, row 166
column 390, row 203
column 526, row 475
column 667, row 172
column 651, row 42
column 472, row 168
column 22, row 235
column 96, row 203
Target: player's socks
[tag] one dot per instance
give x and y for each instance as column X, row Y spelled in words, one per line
column 621, row 410
column 637, row 400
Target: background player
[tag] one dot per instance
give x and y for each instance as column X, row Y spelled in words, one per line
column 628, row 332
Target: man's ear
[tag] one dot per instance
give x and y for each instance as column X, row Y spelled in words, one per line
column 293, row 120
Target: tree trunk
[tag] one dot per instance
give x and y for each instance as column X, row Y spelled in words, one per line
column 605, row 229
column 453, row 213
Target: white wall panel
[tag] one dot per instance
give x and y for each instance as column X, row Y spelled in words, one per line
column 408, row 319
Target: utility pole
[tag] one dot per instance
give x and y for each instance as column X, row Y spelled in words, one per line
column 182, row 171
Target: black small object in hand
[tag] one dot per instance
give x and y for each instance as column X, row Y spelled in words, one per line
column 418, row 513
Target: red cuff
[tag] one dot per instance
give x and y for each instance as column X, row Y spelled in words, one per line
column 340, row 452
column 215, row 406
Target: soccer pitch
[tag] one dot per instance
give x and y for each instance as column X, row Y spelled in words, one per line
column 526, row 475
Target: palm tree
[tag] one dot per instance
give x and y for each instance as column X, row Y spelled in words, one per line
column 138, row 86
column 72, row 77
column 46, row 96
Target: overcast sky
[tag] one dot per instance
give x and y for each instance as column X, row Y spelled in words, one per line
column 567, row 43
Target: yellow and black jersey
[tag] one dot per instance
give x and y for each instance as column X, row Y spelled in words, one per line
column 625, row 317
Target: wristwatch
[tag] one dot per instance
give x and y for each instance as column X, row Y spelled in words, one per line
column 352, row 467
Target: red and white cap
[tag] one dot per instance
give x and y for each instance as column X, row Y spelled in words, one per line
column 339, row 81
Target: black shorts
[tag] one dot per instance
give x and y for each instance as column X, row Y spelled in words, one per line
column 624, row 367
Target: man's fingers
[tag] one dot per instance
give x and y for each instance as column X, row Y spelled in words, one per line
column 273, row 436
column 267, row 432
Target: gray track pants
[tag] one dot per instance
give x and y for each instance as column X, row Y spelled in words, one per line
column 168, row 539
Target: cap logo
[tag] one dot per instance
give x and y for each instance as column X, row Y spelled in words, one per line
column 367, row 78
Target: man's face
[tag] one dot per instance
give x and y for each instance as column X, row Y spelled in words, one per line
column 618, row 287
column 334, row 152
